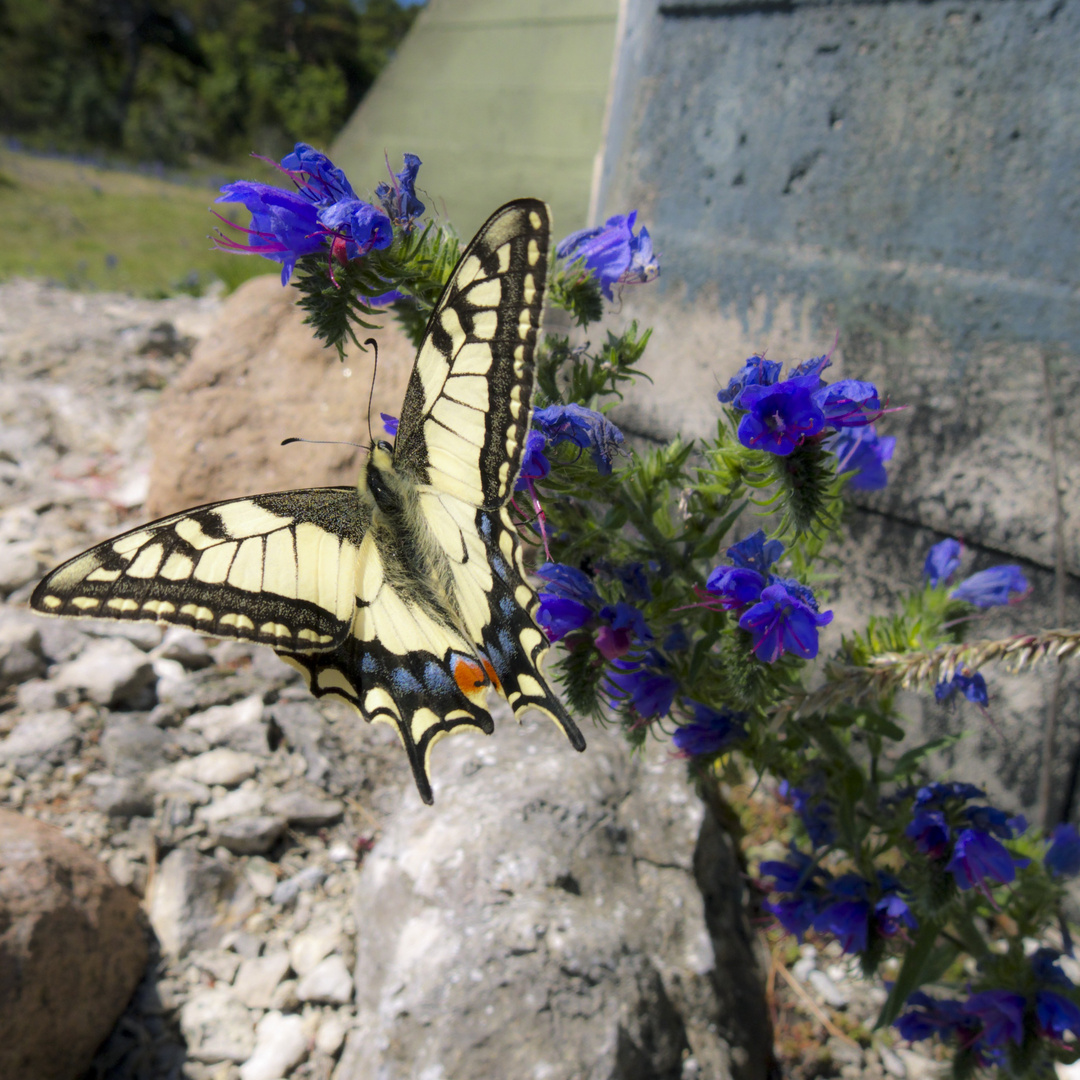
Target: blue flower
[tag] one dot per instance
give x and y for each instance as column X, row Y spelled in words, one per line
column 642, row 685
column 815, row 812
column 892, row 914
column 780, row 417
column 389, row 423
column 1056, row 1015
column 677, row 641
column 863, row 452
column 560, row 616
column 931, row 1016
column 937, row 794
column 814, row 366
column 848, row 921
column 634, row 581
column 1002, row 1016
column 384, row 299
column 1063, row 856
column 735, row 586
column 1044, row 966
column 711, row 730
column 359, row 225
column 781, row 622
column 583, row 427
column 613, row 253
column 803, row 881
column 284, row 226
column 849, row 403
column 930, row 833
column 567, row 581
column 398, row 198
column 534, row 464
column 978, row 858
column 969, row 683
column 942, row 562
column 757, row 371
column 990, row 587
column 625, row 627
column 755, row 552
column 990, row 819
column 320, row 181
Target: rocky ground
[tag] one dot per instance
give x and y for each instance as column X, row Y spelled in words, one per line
column 203, row 774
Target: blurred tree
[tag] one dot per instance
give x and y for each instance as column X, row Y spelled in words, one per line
column 169, row 79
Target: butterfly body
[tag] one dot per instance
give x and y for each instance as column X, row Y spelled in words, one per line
column 406, row 595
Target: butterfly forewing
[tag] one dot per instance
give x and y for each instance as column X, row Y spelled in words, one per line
column 466, row 411
column 278, row 569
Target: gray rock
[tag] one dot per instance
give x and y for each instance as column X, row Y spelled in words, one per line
column 311, row 877
column 167, row 783
column 72, row 950
column 41, row 695
column 185, row 646
column 112, row 672
column 217, row 1027
column 239, row 726
column 303, row 726
column 19, row 564
column 220, row 963
column 222, row 766
column 328, row 983
column 548, row 915
column 132, row 747
column 47, row 738
column 280, row 1045
column 250, row 835
column 259, row 977
column 188, row 902
column 123, row 797
column 143, row 635
column 310, row 947
column 243, row 802
column 61, row 639
column 305, row 810
column 20, row 650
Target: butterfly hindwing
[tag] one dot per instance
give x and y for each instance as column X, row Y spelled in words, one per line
column 278, row 569
column 466, row 411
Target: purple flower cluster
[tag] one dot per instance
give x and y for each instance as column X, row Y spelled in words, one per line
column 815, row 811
column 849, row 907
column 712, row 731
column 965, row 681
column 323, row 214
column 862, row 452
column 780, row 614
column 1062, row 858
column 781, row 414
column 583, row 427
column 612, row 253
column 988, row 588
column 990, row 1020
column 969, row 837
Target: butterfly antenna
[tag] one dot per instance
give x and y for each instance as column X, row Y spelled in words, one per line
column 371, row 393
column 325, row 442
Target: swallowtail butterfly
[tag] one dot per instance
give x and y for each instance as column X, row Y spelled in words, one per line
column 405, row 595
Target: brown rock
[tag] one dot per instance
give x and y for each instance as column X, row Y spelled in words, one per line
column 258, row 377
column 72, row 951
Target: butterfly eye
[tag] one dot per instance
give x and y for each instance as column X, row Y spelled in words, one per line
column 382, row 444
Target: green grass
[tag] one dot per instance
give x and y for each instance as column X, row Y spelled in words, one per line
column 93, row 228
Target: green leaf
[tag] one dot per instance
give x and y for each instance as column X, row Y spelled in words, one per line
column 907, row 762
column 913, row 973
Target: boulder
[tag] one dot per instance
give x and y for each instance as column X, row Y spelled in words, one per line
column 260, row 377
column 546, row 919
column 72, row 951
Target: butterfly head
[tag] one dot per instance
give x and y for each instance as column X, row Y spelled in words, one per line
column 380, row 480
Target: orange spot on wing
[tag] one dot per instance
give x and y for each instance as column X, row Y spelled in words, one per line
column 469, row 676
column 491, row 674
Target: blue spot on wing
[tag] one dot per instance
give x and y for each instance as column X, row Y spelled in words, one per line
column 368, row 664
column 437, row 679
column 404, row 682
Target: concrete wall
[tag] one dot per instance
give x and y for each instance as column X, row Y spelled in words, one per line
column 902, row 174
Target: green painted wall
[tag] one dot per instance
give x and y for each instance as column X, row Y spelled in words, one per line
column 499, row 98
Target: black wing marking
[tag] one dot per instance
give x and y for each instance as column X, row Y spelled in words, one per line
column 466, row 412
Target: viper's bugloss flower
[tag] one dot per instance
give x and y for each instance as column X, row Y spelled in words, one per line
column 815, row 811
column 931, row 1016
column 755, row 552
column 990, row 819
column 641, row 684
column 781, row 416
column 567, row 581
column 1044, row 966
column 1056, row 1015
column 634, row 582
column 930, row 833
column 862, row 451
column 937, row 794
column 612, row 252
column 978, row 858
column 988, row 588
column 848, row 921
column 969, row 683
column 318, row 179
column 398, row 198
column 390, row 424
column 849, row 403
column 359, row 224
column 583, row 427
column 892, row 914
column 284, row 225
column 803, row 883
column 383, row 299
column 814, row 366
column 1062, row 858
column 711, row 730
column 942, row 561
column 567, row 600
column 735, row 586
column 624, row 628
column 781, row 622
column 1001, row 1013
column 534, row 463
column 757, row 371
